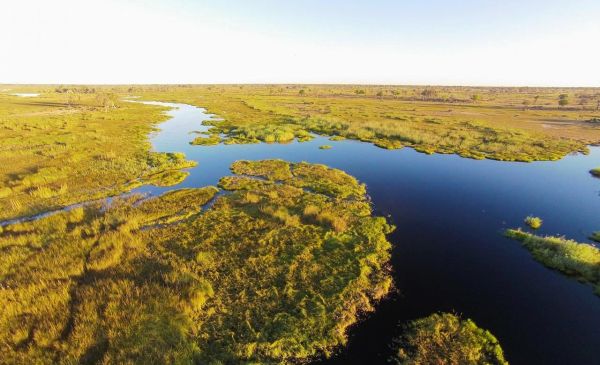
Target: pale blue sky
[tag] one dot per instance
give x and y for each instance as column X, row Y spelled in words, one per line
column 331, row 41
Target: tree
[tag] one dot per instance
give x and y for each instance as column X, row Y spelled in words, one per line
column 380, row 93
column 301, row 92
column 563, row 99
column 107, row 100
column 429, row 93
column 475, row 97
column 72, row 97
column 526, row 104
column 535, row 99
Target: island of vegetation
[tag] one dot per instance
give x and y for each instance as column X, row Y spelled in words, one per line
column 446, row 339
column 273, row 269
column 579, row 260
column 534, row 222
column 595, row 172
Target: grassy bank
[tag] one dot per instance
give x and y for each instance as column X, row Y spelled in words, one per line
column 579, row 260
column 62, row 148
column 274, row 271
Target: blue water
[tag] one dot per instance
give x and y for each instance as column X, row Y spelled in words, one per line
column 449, row 253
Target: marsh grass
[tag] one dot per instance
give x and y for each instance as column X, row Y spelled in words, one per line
column 533, row 222
column 325, row 147
column 54, row 153
column 579, row 260
column 494, row 127
column 446, row 339
column 266, row 274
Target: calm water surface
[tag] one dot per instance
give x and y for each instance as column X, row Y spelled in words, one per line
column 449, row 253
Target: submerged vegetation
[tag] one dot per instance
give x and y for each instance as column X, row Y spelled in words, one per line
column 272, row 271
column 579, row 260
column 534, row 222
column 446, row 339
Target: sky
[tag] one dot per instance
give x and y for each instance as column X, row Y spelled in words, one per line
column 426, row 42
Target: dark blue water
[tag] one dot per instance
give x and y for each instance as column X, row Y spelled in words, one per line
column 449, row 253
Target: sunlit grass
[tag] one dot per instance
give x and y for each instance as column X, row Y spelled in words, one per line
column 579, row 260
column 55, row 151
column 495, row 126
column 273, row 271
column 533, row 222
column 446, row 339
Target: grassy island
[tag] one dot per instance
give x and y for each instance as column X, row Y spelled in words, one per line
column 446, row 339
column 272, row 270
column 579, row 260
column 533, row 222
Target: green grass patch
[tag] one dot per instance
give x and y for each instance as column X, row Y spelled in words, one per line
column 325, row 147
column 446, row 339
column 211, row 140
column 579, row 260
column 61, row 148
column 533, row 222
column 273, row 271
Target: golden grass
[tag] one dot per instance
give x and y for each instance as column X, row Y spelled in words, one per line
column 54, row 154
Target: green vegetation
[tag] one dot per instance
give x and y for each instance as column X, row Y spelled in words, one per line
column 431, row 120
column 67, row 147
column 446, row 339
column 211, row 140
column 579, row 260
column 325, row 147
column 534, row 222
column 595, row 236
column 272, row 271
column 595, row 172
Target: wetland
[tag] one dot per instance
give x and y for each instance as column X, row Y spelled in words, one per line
column 230, row 243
